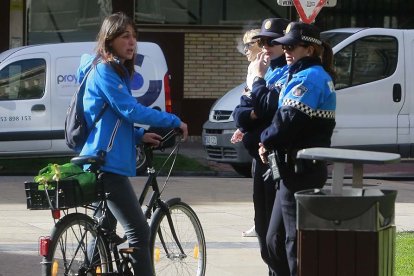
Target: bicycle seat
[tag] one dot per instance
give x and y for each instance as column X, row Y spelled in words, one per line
column 88, row 159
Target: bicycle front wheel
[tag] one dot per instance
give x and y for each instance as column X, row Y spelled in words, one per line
column 76, row 248
column 185, row 254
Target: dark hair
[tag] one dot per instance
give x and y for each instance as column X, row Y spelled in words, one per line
column 325, row 53
column 112, row 27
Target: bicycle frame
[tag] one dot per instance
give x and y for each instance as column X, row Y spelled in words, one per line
column 155, row 199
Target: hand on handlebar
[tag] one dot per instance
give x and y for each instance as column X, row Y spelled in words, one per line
column 152, row 139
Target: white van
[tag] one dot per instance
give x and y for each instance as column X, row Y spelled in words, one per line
column 375, row 99
column 37, row 83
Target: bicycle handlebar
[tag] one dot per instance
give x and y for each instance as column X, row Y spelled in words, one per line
column 97, row 161
column 169, row 135
column 172, row 133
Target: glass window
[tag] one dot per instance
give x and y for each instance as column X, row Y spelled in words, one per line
column 366, row 60
column 23, row 80
column 167, row 11
column 218, row 12
column 51, row 21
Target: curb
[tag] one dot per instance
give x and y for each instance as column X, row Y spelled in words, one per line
column 174, row 173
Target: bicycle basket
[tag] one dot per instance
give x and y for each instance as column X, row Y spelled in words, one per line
column 61, row 187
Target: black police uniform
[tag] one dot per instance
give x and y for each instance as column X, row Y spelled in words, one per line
column 305, row 118
column 264, row 190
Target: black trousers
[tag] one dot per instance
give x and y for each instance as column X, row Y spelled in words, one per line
column 264, row 193
column 281, row 236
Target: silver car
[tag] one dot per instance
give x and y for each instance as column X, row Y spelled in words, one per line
column 219, row 128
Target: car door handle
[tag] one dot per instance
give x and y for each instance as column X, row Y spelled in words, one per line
column 39, row 107
column 396, row 92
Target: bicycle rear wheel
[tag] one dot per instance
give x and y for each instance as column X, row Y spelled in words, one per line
column 168, row 259
column 76, row 248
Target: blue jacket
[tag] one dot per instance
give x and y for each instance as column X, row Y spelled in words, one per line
column 115, row 132
column 306, row 113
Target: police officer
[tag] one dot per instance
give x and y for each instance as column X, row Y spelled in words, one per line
column 305, row 118
column 255, row 113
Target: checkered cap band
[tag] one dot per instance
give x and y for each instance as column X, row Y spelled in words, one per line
column 318, row 113
column 311, row 39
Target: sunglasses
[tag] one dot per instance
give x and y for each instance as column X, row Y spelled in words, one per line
column 265, row 41
column 246, row 46
column 291, row 48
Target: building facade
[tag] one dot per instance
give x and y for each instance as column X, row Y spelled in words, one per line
column 200, row 39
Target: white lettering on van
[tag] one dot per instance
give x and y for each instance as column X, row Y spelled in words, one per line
column 66, row 79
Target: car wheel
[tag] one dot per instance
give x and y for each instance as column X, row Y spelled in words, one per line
column 243, row 169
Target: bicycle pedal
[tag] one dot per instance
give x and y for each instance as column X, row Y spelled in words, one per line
column 118, row 240
column 114, row 238
column 127, row 250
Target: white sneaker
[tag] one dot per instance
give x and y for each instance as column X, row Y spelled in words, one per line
column 250, row 233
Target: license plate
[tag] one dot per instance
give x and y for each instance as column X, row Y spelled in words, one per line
column 210, row 140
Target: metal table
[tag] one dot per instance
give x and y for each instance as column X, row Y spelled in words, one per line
column 340, row 157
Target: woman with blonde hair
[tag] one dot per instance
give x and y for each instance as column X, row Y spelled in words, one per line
column 251, row 49
column 255, row 113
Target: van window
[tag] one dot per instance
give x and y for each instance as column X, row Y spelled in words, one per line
column 23, row 80
column 366, row 60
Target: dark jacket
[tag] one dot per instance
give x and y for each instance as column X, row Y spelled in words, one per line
column 264, row 101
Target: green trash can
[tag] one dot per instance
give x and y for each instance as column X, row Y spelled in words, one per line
column 348, row 234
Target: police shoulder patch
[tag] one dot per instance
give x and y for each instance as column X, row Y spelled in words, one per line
column 299, row 90
column 331, row 86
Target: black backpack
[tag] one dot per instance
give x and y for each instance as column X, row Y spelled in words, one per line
column 76, row 130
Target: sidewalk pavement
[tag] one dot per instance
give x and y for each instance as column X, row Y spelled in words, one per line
column 223, row 204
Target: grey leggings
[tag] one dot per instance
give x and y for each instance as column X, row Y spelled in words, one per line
column 125, row 208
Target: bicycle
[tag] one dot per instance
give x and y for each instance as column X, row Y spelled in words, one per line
column 80, row 245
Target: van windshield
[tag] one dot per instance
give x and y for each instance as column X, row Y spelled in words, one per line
column 7, row 53
column 333, row 38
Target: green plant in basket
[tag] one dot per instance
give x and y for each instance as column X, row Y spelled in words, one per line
column 53, row 175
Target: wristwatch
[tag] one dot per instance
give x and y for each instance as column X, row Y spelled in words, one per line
column 257, row 78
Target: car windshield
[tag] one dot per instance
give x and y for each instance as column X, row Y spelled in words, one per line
column 333, row 38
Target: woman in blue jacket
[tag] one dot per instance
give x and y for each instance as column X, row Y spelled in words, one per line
column 109, row 82
column 305, row 118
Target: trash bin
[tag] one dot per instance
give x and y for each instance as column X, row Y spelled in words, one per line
column 348, row 234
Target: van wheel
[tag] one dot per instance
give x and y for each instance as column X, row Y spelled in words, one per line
column 243, row 169
column 141, row 161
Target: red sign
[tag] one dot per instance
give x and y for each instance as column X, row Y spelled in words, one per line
column 308, row 9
